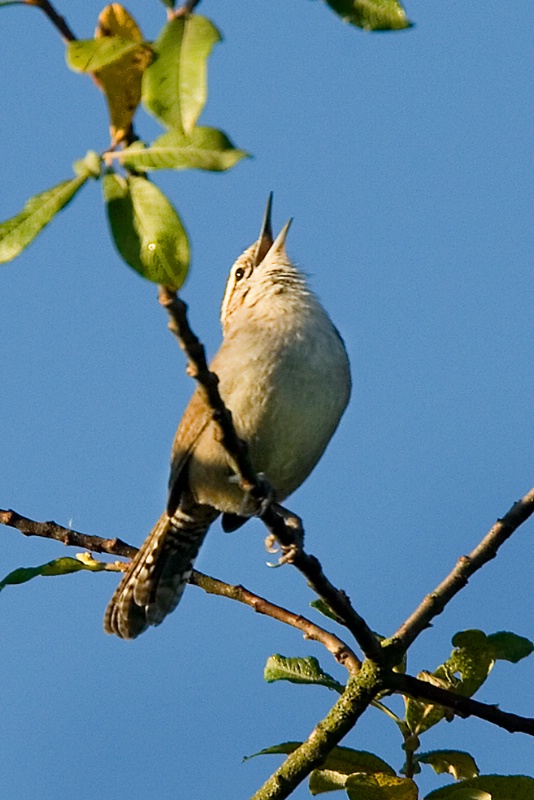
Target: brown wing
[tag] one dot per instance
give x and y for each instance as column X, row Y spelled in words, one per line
column 196, row 417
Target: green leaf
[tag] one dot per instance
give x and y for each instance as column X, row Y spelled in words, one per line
column 90, row 55
column 60, row 566
column 147, row 231
column 326, row 780
column 174, row 86
column 340, row 759
column 467, row 794
column 464, row 672
column 496, row 787
column 203, row 148
column 380, row 787
column 510, row 647
column 17, row 233
column 372, row 15
column 422, row 715
column 88, row 166
column 323, row 608
column 460, row 765
column 366, row 790
column 472, row 659
column 348, row 761
column 299, row 670
column 283, row 749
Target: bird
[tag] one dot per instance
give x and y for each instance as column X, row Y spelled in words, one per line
column 284, row 374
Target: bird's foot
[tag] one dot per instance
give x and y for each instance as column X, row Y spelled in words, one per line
column 257, row 500
column 287, row 553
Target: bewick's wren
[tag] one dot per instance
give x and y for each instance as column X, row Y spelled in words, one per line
column 284, row 374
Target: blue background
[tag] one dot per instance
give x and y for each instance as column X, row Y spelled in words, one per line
column 406, row 161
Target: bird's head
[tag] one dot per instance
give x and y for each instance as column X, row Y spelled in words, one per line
column 262, row 269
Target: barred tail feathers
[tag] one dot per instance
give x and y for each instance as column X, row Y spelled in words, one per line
column 155, row 580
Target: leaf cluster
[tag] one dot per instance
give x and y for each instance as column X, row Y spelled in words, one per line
column 365, row 776
column 169, row 79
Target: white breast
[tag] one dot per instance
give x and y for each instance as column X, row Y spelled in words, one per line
column 287, row 384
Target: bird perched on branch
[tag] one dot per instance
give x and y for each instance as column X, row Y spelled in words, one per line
column 284, row 374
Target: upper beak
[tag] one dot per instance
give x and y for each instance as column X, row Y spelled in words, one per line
column 265, row 242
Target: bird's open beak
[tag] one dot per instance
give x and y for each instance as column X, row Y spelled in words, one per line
column 265, row 242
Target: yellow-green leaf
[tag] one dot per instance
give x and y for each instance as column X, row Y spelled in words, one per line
column 120, row 79
column 203, row 148
column 460, row 765
column 509, row 646
column 146, row 229
column 17, row 233
column 323, row 608
column 275, row 750
column 472, row 659
column 175, row 85
column 89, row 166
column 463, row 672
column 299, row 670
column 326, row 780
column 498, row 787
column 372, row 15
column 91, row 55
column 365, row 772
column 347, row 760
column 115, row 20
column 340, row 759
column 380, row 787
column 60, row 566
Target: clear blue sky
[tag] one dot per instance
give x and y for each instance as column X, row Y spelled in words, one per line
column 405, row 160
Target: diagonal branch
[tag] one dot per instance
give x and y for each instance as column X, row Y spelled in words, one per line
column 435, row 602
column 51, row 530
column 342, row 717
column 341, row 652
column 197, row 368
column 288, row 530
column 462, row 706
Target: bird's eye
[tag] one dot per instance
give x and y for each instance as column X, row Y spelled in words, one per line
column 239, row 273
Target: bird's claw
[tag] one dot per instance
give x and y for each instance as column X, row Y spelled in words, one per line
column 288, row 553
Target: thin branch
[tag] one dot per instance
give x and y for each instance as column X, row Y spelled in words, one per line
column 341, row 652
column 197, row 368
column 95, row 544
column 51, row 530
column 462, row 706
column 56, row 19
column 435, row 602
column 283, row 525
column 288, row 530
